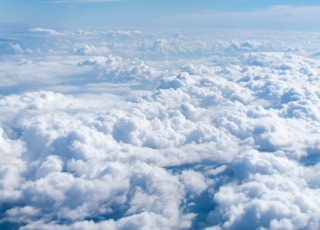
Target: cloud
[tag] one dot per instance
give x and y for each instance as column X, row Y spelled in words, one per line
column 276, row 17
column 44, row 30
column 261, row 199
column 104, row 129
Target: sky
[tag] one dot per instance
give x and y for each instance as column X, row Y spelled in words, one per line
column 248, row 14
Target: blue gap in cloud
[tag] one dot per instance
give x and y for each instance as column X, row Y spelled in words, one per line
column 203, row 204
column 7, row 224
column 312, row 157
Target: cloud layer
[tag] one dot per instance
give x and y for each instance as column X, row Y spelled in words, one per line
column 133, row 130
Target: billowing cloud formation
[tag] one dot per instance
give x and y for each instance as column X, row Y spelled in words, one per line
column 133, row 130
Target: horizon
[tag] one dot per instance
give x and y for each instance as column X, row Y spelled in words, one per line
column 86, row 14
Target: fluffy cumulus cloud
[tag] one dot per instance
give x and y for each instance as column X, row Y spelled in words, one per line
column 135, row 130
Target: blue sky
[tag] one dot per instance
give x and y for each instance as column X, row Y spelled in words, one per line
column 271, row 14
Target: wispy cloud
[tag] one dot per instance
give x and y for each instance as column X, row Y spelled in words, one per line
column 44, row 30
column 275, row 17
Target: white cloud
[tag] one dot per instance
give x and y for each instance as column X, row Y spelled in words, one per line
column 45, row 30
column 213, row 133
column 284, row 17
column 262, row 200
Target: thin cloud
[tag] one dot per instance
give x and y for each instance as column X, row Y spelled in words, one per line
column 275, row 17
column 47, row 31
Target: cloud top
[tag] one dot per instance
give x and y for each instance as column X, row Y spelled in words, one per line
column 129, row 130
